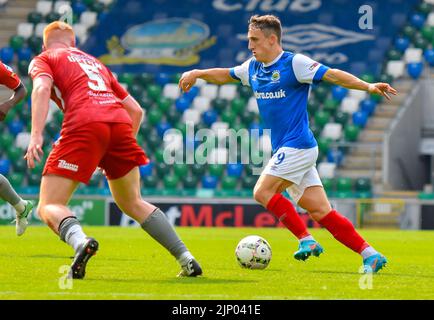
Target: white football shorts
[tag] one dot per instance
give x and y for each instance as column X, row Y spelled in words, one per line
column 297, row 166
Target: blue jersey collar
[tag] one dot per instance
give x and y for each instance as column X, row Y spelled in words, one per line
column 274, row 61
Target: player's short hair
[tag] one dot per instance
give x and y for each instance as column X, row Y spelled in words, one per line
column 54, row 28
column 268, row 24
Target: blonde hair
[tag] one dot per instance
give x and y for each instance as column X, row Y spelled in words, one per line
column 58, row 31
column 268, row 24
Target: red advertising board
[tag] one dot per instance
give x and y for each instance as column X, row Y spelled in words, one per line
column 211, row 215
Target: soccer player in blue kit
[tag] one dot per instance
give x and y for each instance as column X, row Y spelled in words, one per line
column 281, row 81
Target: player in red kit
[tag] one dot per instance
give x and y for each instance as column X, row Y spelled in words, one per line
column 11, row 80
column 101, row 121
column 22, row 207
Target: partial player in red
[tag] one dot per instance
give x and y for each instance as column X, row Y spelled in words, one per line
column 101, row 121
column 22, row 207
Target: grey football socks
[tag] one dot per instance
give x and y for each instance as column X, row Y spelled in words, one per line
column 159, row 228
column 71, row 232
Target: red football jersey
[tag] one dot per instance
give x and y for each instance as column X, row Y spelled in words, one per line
column 8, row 78
column 83, row 88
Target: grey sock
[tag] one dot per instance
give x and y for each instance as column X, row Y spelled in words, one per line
column 65, row 225
column 162, row 231
column 8, row 193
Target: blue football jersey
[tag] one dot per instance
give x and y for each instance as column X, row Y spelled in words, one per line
column 281, row 89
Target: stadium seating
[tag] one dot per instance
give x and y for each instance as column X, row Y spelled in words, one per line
column 414, row 69
column 6, row 55
column 25, row 29
column 44, row 7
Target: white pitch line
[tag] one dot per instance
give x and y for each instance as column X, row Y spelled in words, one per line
column 150, row 295
column 129, row 294
column 8, row 292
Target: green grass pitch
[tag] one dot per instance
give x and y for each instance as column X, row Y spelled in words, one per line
column 130, row 265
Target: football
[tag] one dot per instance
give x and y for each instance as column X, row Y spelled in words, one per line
column 253, row 252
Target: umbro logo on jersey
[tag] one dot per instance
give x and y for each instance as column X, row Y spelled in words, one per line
column 67, row 166
column 270, row 95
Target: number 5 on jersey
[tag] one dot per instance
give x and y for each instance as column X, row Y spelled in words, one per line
column 96, row 82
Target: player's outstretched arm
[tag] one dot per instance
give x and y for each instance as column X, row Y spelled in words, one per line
column 19, row 94
column 350, row 81
column 40, row 104
column 215, row 75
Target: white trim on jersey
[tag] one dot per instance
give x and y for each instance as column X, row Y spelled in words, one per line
column 7, row 67
column 59, row 96
column 242, row 72
column 17, row 86
column 304, row 68
column 122, row 101
column 274, row 61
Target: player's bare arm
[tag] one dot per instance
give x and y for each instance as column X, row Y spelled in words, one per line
column 135, row 111
column 214, row 75
column 350, row 81
column 40, row 105
column 19, row 94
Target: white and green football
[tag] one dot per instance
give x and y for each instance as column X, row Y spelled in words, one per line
column 253, row 252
